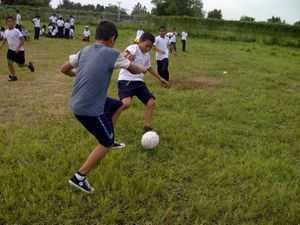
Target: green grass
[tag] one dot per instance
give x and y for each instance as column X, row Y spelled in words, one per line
column 228, row 153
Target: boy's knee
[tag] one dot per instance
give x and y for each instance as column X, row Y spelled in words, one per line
column 126, row 104
column 151, row 103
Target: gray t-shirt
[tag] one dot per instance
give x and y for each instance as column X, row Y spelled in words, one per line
column 95, row 64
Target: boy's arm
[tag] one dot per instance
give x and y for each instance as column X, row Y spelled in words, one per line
column 3, row 42
column 124, row 63
column 21, row 42
column 67, row 69
column 158, row 50
column 164, row 82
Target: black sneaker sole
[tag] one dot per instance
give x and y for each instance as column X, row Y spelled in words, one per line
column 80, row 188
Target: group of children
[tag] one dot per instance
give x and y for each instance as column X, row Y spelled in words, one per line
column 94, row 66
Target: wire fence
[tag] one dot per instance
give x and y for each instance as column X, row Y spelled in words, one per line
column 80, row 16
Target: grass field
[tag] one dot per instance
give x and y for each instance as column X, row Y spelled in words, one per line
column 229, row 151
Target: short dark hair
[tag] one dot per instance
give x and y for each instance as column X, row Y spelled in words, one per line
column 10, row 17
column 105, row 30
column 147, row 36
column 162, row 27
column 17, row 11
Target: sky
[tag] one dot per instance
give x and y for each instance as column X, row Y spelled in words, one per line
column 261, row 10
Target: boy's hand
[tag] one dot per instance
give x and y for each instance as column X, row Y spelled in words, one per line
column 164, row 83
column 17, row 50
column 144, row 69
column 129, row 56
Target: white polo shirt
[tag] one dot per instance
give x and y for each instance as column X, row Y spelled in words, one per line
column 141, row 59
column 162, row 44
column 13, row 38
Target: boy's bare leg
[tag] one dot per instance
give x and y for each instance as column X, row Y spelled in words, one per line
column 11, row 68
column 149, row 112
column 93, row 159
column 126, row 105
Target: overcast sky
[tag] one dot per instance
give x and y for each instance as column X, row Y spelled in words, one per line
column 261, row 10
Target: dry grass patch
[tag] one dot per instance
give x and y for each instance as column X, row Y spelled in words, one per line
column 192, row 83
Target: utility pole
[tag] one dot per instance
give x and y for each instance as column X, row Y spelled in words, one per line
column 119, row 10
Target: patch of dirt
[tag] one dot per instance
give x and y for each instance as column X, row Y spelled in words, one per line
column 192, row 83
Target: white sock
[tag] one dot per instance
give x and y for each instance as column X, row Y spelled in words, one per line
column 79, row 177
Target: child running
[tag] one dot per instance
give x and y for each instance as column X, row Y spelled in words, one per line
column 15, row 51
column 162, row 53
column 90, row 104
column 130, row 85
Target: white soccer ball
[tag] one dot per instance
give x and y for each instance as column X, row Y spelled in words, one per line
column 150, row 140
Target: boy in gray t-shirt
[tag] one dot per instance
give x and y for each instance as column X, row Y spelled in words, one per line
column 95, row 111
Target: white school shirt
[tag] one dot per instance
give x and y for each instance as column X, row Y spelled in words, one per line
column 60, row 23
column 13, row 39
column 142, row 59
column 18, row 19
column 36, row 22
column 72, row 21
column 67, row 25
column 53, row 19
column 173, row 36
column 139, row 33
column 184, row 35
column 55, row 31
column 42, row 31
column 86, row 33
column 162, row 44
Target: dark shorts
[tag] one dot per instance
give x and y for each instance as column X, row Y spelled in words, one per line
column 134, row 88
column 101, row 126
column 18, row 58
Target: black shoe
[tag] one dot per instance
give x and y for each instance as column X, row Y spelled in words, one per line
column 117, row 145
column 82, row 185
column 31, row 67
column 146, row 129
column 12, row 78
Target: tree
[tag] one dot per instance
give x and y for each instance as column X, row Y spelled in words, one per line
column 138, row 9
column 114, row 9
column 215, row 14
column 247, row 19
column 178, row 7
column 275, row 20
column 26, row 2
column 297, row 23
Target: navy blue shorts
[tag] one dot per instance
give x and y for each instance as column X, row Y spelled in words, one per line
column 134, row 88
column 16, row 57
column 101, row 126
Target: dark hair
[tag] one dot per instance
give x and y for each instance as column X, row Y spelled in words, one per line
column 147, row 36
column 17, row 11
column 162, row 27
column 10, row 17
column 105, row 30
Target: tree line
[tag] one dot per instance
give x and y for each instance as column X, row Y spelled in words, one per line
column 192, row 8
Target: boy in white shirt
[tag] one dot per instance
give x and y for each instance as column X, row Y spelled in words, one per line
column 173, row 37
column 86, row 34
column 18, row 19
column 37, row 23
column 139, row 33
column 130, row 85
column 184, row 36
column 67, row 26
column 15, row 51
column 162, row 53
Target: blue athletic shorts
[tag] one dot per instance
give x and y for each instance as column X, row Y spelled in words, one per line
column 101, row 126
column 134, row 88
